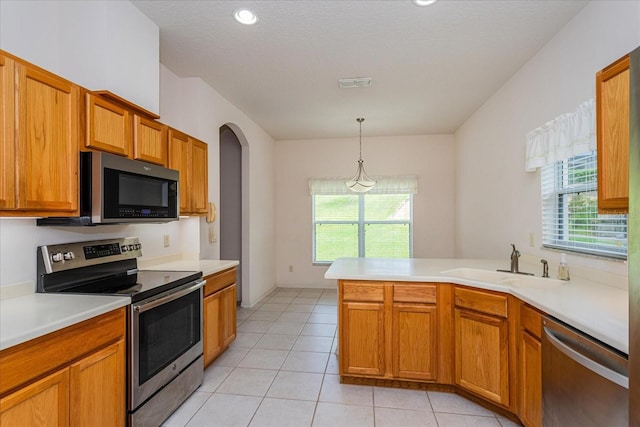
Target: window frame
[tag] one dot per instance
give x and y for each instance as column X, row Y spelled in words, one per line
column 361, row 224
column 559, row 196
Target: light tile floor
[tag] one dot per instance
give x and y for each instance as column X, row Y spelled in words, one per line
column 282, row 371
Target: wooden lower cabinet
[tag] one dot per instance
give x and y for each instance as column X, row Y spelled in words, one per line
column 414, row 334
column 391, row 331
column 219, row 313
column 73, row 377
column 482, row 355
column 43, row 403
column 96, row 392
column 530, row 367
column 362, row 342
column 484, row 343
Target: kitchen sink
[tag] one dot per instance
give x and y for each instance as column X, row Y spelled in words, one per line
column 500, row 278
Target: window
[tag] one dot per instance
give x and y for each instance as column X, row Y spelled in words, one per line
column 361, row 225
column 570, row 219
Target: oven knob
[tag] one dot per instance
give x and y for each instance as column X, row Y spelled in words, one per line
column 138, row 245
column 57, row 257
column 131, row 247
column 124, row 248
column 68, row 255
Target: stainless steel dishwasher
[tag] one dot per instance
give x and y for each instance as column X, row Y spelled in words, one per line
column 584, row 382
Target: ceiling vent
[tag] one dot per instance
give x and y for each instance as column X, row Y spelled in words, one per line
column 354, row 82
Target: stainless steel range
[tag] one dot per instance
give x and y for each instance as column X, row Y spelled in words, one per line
column 164, row 349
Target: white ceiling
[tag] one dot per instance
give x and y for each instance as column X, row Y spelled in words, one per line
column 432, row 67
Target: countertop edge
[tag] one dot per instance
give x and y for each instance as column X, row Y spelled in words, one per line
column 95, row 308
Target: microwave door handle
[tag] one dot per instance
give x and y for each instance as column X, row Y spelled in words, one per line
column 141, row 308
column 603, row 371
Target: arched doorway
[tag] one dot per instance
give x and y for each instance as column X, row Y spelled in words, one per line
column 231, row 200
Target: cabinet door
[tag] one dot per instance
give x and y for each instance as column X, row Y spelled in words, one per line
column 199, row 178
column 482, row 355
column 211, row 327
column 109, row 127
column 415, row 350
column 612, row 115
column 7, row 134
column 228, row 315
column 41, row 404
column 362, row 339
column 180, row 159
column 97, row 391
column 47, row 142
column 149, row 141
column 530, row 380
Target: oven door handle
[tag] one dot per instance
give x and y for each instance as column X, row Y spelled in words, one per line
column 141, row 308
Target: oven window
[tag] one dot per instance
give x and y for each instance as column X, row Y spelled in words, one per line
column 166, row 332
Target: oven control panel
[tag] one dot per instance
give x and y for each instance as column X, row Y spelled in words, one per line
column 81, row 254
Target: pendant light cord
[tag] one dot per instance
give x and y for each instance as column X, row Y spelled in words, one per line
column 360, row 120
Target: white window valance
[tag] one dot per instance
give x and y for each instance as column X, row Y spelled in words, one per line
column 563, row 137
column 385, row 185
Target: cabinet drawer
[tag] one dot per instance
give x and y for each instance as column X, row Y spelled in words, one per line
column 422, row 293
column 531, row 321
column 362, row 291
column 218, row 281
column 481, row 301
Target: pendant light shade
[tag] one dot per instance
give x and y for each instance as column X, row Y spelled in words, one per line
column 360, row 183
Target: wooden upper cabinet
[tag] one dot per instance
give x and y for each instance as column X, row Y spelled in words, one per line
column 109, row 126
column 46, row 142
column 7, row 133
column 612, row 117
column 180, row 159
column 149, row 141
column 199, row 177
column 188, row 156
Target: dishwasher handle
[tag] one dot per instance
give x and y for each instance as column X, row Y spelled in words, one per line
column 603, row 371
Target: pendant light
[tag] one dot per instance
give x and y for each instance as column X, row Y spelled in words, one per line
column 360, row 183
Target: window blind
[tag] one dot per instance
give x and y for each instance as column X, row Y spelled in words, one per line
column 570, row 219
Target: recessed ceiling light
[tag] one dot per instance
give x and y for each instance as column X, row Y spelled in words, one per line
column 245, row 16
column 424, row 2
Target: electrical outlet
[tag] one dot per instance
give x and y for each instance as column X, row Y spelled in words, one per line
column 167, row 241
column 291, row 269
column 531, row 240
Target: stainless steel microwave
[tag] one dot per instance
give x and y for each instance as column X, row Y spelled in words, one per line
column 115, row 189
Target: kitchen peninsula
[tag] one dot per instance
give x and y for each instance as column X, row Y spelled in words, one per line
column 463, row 326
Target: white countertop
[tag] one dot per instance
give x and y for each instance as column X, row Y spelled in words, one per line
column 28, row 315
column 596, row 309
column 207, row 266
column 31, row 316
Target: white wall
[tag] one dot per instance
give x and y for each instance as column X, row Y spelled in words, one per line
column 97, row 44
column 108, row 44
column 197, row 109
column 497, row 203
column 430, row 157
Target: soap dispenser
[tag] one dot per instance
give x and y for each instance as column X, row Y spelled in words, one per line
column 563, row 268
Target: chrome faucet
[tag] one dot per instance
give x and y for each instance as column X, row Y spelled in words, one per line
column 515, row 254
column 545, row 268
